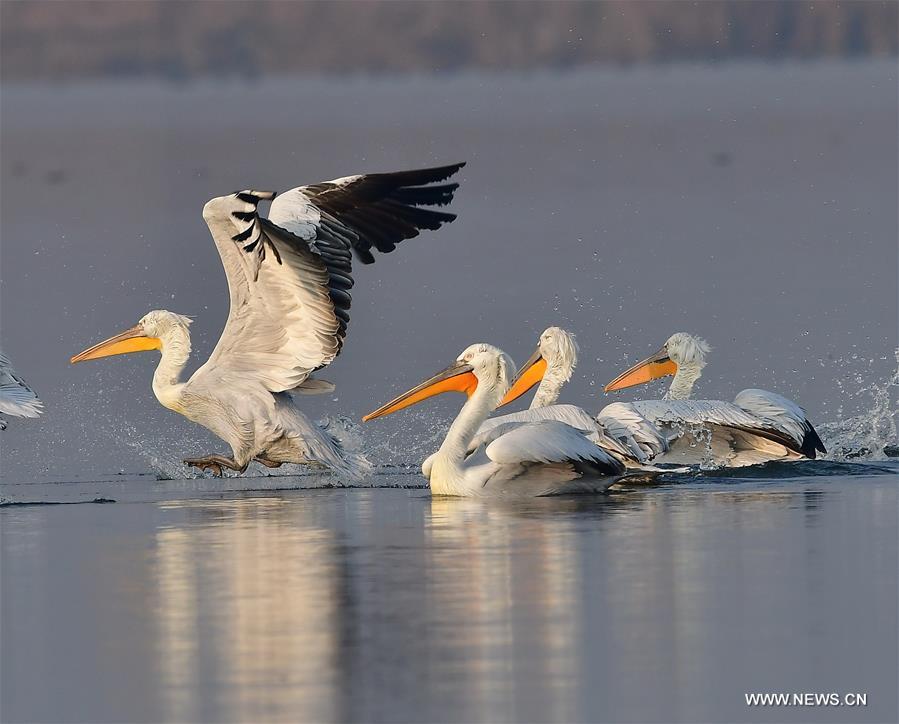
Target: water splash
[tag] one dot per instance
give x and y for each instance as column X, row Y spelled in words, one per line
column 157, row 451
column 872, row 434
column 868, row 436
column 408, row 443
column 345, row 429
column 698, row 439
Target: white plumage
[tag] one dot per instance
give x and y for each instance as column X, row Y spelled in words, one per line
column 634, row 431
column 571, row 415
column 16, row 397
column 626, row 435
column 558, row 349
column 758, row 426
column 289, row 277
column 545, row 457
column 783, row 414
column 546, row 441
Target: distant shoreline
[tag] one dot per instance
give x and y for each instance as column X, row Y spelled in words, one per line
column 326, row 79
column 180, row 42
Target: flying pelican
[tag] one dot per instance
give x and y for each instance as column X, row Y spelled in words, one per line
column 289, row 277
column 621, row 431
column 534, row 458
column 16, row 397
column 758, row 426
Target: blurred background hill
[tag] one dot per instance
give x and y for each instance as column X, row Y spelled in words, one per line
column 54, row 41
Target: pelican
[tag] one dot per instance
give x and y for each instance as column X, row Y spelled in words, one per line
column 758, row 426
column 623, row 432
column 534, row 458
column 289, row 277
column 16, row 397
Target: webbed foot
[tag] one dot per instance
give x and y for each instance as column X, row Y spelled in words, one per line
column 214, row 463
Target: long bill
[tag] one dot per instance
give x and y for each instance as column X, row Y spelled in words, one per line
column 658, row 365
column 131, row 340
column 458, row 377
column 530, row 374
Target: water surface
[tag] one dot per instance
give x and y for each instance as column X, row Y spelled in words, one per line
column 245, row 600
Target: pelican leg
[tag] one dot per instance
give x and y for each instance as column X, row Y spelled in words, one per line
column 215, row 463
column 268, row 463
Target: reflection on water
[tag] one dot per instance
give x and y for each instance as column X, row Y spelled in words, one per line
column 386, row 605
column 253, row 586
column 287, row 610
column 492, row 569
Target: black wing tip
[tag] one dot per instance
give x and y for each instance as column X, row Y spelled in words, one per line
column 596, row 468
column 433, row 195
column 420, row 176
column 811, row 442
column 452, row 168
column 364, row 255
column 383, row 209
column 440, row 172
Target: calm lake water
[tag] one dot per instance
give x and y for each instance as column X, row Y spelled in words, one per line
column 209, row 601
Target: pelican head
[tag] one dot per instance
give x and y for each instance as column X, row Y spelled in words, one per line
column 687, row 349
column 156, row 330
column 681, row 350
column 481, row 367
column 556, row 354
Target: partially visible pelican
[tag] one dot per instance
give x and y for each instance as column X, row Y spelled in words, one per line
column 532, row 458
column 16, row 397
column 623, row 432
column 758, row 426
column 289, row 277
column 551, row 364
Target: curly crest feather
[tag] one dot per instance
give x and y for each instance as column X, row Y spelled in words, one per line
column 686, row 349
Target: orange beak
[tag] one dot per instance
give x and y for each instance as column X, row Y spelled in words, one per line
column 658, row 365
column 131, row 340
column 458, row 377
column 529, row 375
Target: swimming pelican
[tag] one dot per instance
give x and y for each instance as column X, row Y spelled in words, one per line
column 16, row 397
column 534, row 458
column 758, row 426
column 289, row 277
column 621, row 431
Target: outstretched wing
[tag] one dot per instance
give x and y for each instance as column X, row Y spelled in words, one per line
column 289, row 276
column 376, row 210
column 16, row 397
